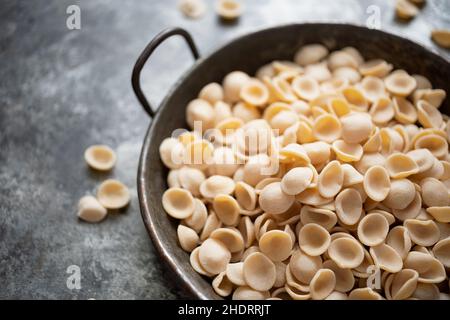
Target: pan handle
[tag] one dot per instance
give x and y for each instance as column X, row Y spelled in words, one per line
column 157, row 40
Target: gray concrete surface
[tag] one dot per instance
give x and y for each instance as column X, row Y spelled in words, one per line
column 62, row 90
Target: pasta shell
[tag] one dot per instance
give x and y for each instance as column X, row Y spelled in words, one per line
column 280, row 89
column 437, row 145
column 364, row 294
column 362, row 270
column 178, row 203
column 373, row 229
column 442, row 252
column 306, row 88
column 259, row 272
column 346, row 252
column 356, row 99
column 255, row 93
column 400, row 83
column 433, row 96
column 441, row 214
column 314, row 239
column 356, row 127
column 227, row 209
column 171, row 153
column 317, row 152
column 441, row 37
column 405, row 9
column 222, row 285
column 346, row 73
column 336, row 295
column 334, row 85
column 347, row 152
column 386, row 258
column 339, row 59
column 330, row 180
column 172, row 179
column 405, row 112
column 294, row 153
column 187, row 237
column 376, row 183
column 429, row 268
column 377, row 68
column 373, row 89
column 101, row 157
column 195, row 263
column 90, row 209
column 296, row 294
column 212, row 93
column 351, row 175
column 296, row 180
column 401, row 166
column 349, row 206
column 232, row 85
column 322, row 284
column 247, row 293
column 276, row 245
column 327, row 128
column 199, row 110
column 401, row 194
column 434, row 193
column 403, row 284
column 272, row 199
column 303, row 267
column 428, row 115
column 382, row 111
column 197, row 220
column 247, row 230
column 318, row 71
column 399, row 239
column 423, row 158
column 235, row 273
column 213, row 256
column 310, row 54
column 246, row 112
column 191, row 179
column 246, row 196
column 426, row 291
column 344, row 277
column 411, row 211
column 424, row 233
column 212, row 223
column 217, row 185
column 323, row 217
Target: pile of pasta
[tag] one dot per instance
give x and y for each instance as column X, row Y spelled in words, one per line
column 345, row 196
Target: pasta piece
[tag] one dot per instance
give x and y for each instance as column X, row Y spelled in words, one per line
column 423, row 233
column 217, row 185
column 401, row 166
column 224, row 162
column 193, row 9
column 113, row 194
column 227, row 209
column 349, row 206
column 330, row 180
column 435, row 97
column 347, row 152
column 212, row 93
column 376, row 183
column 191, row 179
column 405, row 112
column 222, row 285
column 200, row 110
column 197, row 220
column 346, row 252
column 272, row 199
column 171, row 152
column 339, row 59
column 377, row 68
column 437, row 145
column 411, row 211
column 429, row 268
column 100, row 157
column 364, row 294
column 398, row 238
column 306, row 88
column 401, row 194
column 235, row 273
column 334, row 85
column 310, row 54
column 346, row 73
column 187, row 237
column 356, row 127
column 255, row 93
column 405, row 9
column 441, row 214
column 232, row 85
column 373, row 88
column 402, row 284
column 259, row 272
column 441, row 37
column 434, row 193
column 246, row 112
column 318, row 71
column 351, row 175
column 229, row 9
column 423, row 158
column 442, row 251
column 317, row 152
column 356, row 99
column 195, row 263
column 400, row 83
column 90, row 209
column 373, row 229
column 323, row 217
column 276, row 245
column 344, row 277
column 322, row 284
column 172, row 179
column 386, row 258
column 428, row 115
column 296, row 180
column 314, row 239
column 382, row 111
column 199, row 154
column 246, row 196
column 303, row 267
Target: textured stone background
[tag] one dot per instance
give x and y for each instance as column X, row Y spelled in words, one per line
column 62, row 90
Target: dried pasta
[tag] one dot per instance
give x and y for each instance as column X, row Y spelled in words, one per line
column 296, row 182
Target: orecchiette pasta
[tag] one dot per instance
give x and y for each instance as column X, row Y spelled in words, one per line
column 297, row 182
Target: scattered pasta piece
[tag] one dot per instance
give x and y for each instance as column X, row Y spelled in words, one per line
column 100, row 157
column 229, row 9
column 113, row 194
column 441, row 37
column 193, row 9
column 90, row 209
column 405, row 9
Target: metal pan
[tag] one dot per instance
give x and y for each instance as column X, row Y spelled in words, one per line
column 247, row 53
